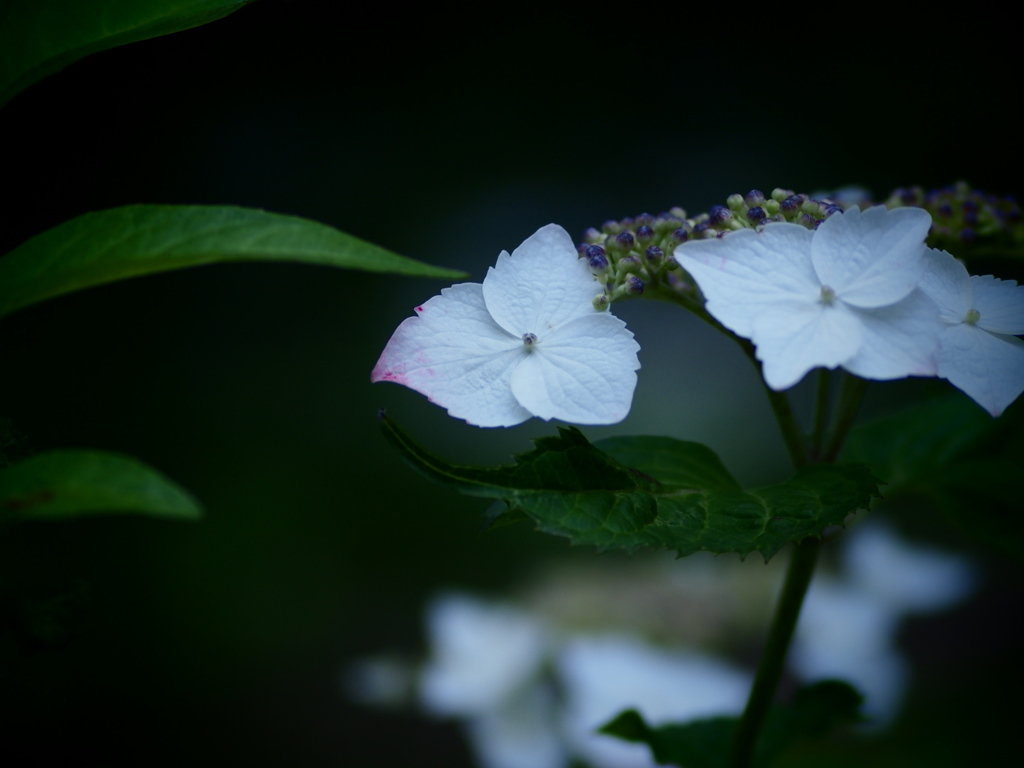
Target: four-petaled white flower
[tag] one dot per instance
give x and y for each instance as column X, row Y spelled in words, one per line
column 979, row 351
column 527, row 342
column 843, row 295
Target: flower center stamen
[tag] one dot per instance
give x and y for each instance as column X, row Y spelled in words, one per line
column 828, row 296
column 529, row 339
column 972, row 317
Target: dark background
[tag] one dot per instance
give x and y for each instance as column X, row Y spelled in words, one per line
column 446, row 139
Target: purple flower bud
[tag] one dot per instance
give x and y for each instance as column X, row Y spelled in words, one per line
column 719, row 214
column 597, row 260
column 754, row 198
column 756, row 214
column 654, row 254
column 644, row 219
column 967, row 235
column 644, row 233
column 625, row 241
column 944, row 211
column 634, row 285
column 809, row 221
column 790, row 207
column 831, row 209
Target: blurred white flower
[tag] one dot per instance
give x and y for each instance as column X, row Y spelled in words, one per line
column 844, row 294
column 602, row 676
column 848, row 625
column 481, row 654
column 527, row 342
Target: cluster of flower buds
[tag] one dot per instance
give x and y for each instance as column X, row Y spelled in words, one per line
column 629, row 255
column 963, row 216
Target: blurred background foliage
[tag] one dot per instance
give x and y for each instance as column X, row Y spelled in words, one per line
column 445, row 138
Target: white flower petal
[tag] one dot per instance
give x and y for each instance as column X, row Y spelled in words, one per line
column 899, row 340
column 746, row 272
column 947, row 283
column 454, row 353
column 583, row 372
column 482, row 654
column 987, row 366
column 874, row 258
column 794, row 337
column 541, row 285
column 1000, row 303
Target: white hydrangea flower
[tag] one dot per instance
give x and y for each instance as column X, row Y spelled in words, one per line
column 979, row 351
column 527, row 342
column 843, row 295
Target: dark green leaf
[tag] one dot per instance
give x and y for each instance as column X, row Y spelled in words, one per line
column 141, row 239
column 62, row 484
column 707, row 743
column 953, row 454
column 40, row 37
column 678, row 497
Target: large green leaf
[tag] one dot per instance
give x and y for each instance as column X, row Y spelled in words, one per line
column 141, row 239
column 676, row 494
column 953, row 454
column 62, row 484
column 707, row 743
column 40, row 37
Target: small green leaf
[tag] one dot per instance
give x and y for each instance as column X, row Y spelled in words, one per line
column 677, row 496
column 142, row 239
column 62, row 484
column 953, row 454
column 40, row 37
column 707, row 743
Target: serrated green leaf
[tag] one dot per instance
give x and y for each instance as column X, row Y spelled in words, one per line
column 57, row 485
column 707, row 743
column 142, row 239
column 680, row 497
column 952, row 453
column 40, row 37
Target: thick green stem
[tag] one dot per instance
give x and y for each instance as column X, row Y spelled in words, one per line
column 805, row 553
column 773, row 658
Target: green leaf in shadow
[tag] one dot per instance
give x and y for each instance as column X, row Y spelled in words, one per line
column 707, row 743
column 40, row 37
column 676, row 495
column 142, row 239
column 57, row 485
column 953, row 454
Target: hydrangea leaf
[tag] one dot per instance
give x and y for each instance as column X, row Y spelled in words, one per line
column 706, row 743
column 139, row 240
column 956, row 456
column 40, row 37
column 631, row 492
column 56, row 485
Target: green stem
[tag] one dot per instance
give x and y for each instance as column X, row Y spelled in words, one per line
column 769, row 669
column 850, row 396
column 820, row 413
column 796, row 444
